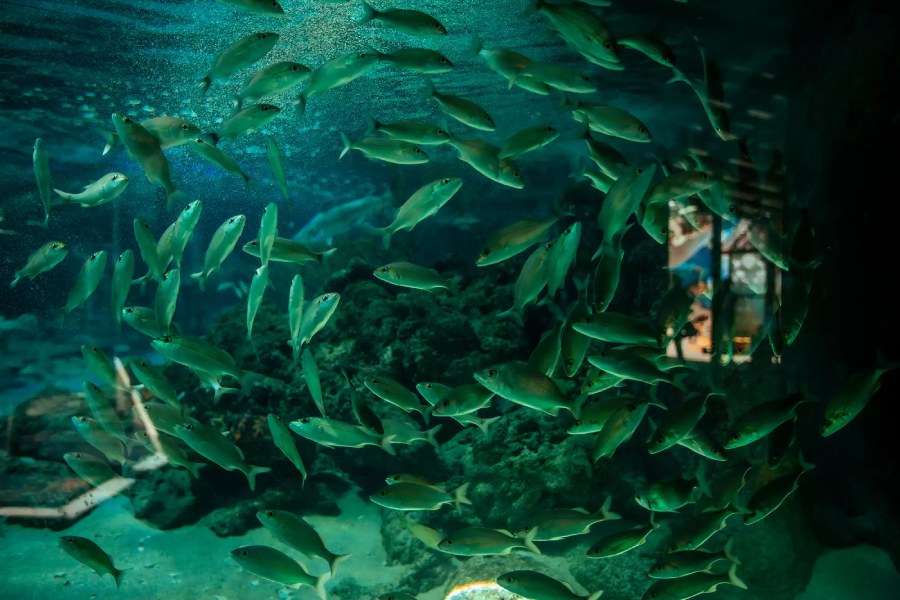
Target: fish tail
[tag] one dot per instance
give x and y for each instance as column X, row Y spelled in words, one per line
column 326, row 254
column 385, row 444
column 193, row 468
column 16, row 280
column 374, row 125
column 300, row 102
column 66, row 196
column 678, row 75
column 335, row 561
column 734, row 579
column 728, row 552
column 533, row 7
column 475, row 46
column 112, row 140
column 173, row 196
column 512, row 314
column 428, row 92
column 460, row 498
column 203, row 84
column 485, row 423
column 252, row 473
column 236, row 102
column 429, row 435
column 529, row 540
column 607, row 514
column 321, row 580
column 201, row 279
column 595, row 595
column 347, row 145
column 117, row 576
column 386, row 235
column 369, row 13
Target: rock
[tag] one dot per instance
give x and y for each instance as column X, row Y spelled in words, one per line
column 857, row 573
column 41, row 427
column 164, row 497
column 39, row 484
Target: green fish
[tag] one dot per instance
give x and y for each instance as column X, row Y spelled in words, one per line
column 418, row 60
column 771, row 496
column 561, row 523
column 214, row 156
column 617, row 328
column 464, row 111
column 462, row 400
column 316, row 315
column 621, row 542
column 311, row 376
column 238, row 55
column 561, row 257
column 90, row 468
column 268, row 232
column 423, row 533
column 528, row 140
column 274, row 79
column 688, row 562
column 155, row 382
column 198, row 355
column 692, row 585
column 163, row 416
column 149, row 250
column 607, row 272
column 223, row 242
column 246, row 121
column 386, row 149
column 618, row 429
column 481, row 541
column 537, row 586
column 144, row 148
column 42, row 176
column 624, row 198
column 41, row 260
column 259, row 7
column 103, row 410
column 143, row 319
column 679, row 423
column 276, row 162
column 413, row 22
column 281, row 435
column 702, row 444
column 513, row 239
column 123, row 271
column 630, row 366
column 394, row 392
column 761, row 420
column 290, row 529
column 277, row 566
column 329, row 432
column 693, row 532
column 166, row 297
column 519, row 383
column 409, row 275
column 583, row 30
column 107, row 443
column 546, row 354
column 414, row 496
column 727, row 485
column 424, row 202
column 168, row 131
column 669, row 495
column 609, row 160
column 485, row 158
column 295, row 314
column 338, row 71
column 850, row 398
column 258, row 286
column 612, row 121
column 210, row 443
column 574, row 345
column 104, row 190
column 285, row 250
column 87, row 280
column 175, row 238
column 364, row 414
column 174, row 454
column 560, row 77
column 650, row 46
column 101, row 365
column 412, row 131
column 599, row 381
column 90, row 554
column 530, row 283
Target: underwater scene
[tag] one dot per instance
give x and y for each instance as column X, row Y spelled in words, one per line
column 448, row 300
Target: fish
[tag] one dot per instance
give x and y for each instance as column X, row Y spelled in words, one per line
column 295, row 314
column 679, row 185
column 175, row 238
column 286, row 250
column 692, row 585
column 276, row 162
column 409, row 275
column 694, row 531
column 92, row 469
column 149, row 250
column 413, row 22
column 414, row 496
column 144, row 148
column 200, row 356
column 531, row 281
column 329, row 432
column 259, row 7
column 164, row 416
column 273, row 79
column 41, row 162
column 103, row 411
column 386, row 149
column 562, row 256
column 107, row 443
column 546, row 354
column 594, row 415
column 702, row 444
column 342, row 219
column 168, row 131
column 268, row 231
column 258, row 286
column 618, row 429
column 294, row 531
column 519, row 383
column 772, row 495
column 277, row 566
column 537, row 586
column 166, row 297
column 462, row 400
column 411, row 130
column 120, row 286
column 573, row 345
column 611, row 121
column 245, row 121
column 311, row 376
column 583, row 31
column 624, row 198
column 761, row 420
column 364, row 414
column 598, row 381
column 630, row 366
column 143, row 319
column 155, row 382
column 528, row 140
column 513, row 239
column 688, row 562
column 316, row 315
column 485, row 158
column 239, row 55
column 284, row 441
column 650, row 46
column 609, row 160
column 41, row 260
column 174, row 454
column 91, row 555
column 214, row 156
column 617, row 328
column 423, row 533
column 560, row 77
column 668, row 495
column 104, row 190
column 418, row 60
column 463, row 110
column 86, row 281
column 394, row 392
column 679, row 422
column 101, row 365
column 481, row 541
column 850, row 398
column 338, row 71
column 607, row 272
column 211, row 444
column 710, row 93
column 561, row 523
column 223, row 242
column 622, row 541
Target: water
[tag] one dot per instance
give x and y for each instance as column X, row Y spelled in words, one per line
column 799, row 83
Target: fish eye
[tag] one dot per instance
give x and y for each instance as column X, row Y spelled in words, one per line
column 567, row 231
column 549, row 246
column 231, row 220
column 445, row 61
column 166, row 339
column 185, row 127
column 129, row 310
column 263, row 36
column 448, row 541
column 516, row 173
column 295, row 68
column 731, row 208
column 418, row 151
column 642, row 129
column 244, row 553
column 304, row 420
column 189, row 427
column 445, row 181
column 607, row 44
column 672, row 548
column 361, row 55
column 660, row 439
column 486, row 251
column 270, row 513
column 127, row 120
column 382, row 493
column 384, row 269
column 640, row 171
column 550, row 128
column 585, row 78
column 374, row 381
column 578, row 422
column 734, row 437
column 492, row 372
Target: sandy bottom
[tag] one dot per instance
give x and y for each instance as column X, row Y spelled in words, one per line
column 187, row 563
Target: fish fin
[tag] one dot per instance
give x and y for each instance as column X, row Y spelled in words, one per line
column 595, row 595
column 734, row 579
column 66, row 196
column 336, row 561
column 529, row 540
column 300, row 102
column 475, row 46
column 174, row 196
column 428, row 92
column 369, row 13
column 386, row 235
column 204, row 84
column 347, row 145
column 607, row 514
column 252, row 473
column 533, row 7
column 728, row 552
column 460, row 498
column 193, row 468
column 117, row 575
column 386, row 444
column 201, row 279
column 485, row 423
column 374, row 124
column 513, row 314
column 321, row 580
column 236, row 102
